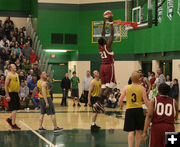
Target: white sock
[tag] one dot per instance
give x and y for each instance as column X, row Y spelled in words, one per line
column 93, row 123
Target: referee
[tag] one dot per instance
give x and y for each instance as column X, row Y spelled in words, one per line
column 12, row 90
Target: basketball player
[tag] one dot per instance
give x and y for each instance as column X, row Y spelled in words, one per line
column 46, row 104
column 12, row 90
column 134, row 117
column 163, row 111
column 93, row 97
column 107, row 55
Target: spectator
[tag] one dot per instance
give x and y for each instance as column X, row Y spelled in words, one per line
column 13, row 57
column 2, row 85
column 8, row 20
column 65, row 85
column 1, row 33
column 168, row 81
column 112, row 101
column 8, row 49
column 153, row 79
column 17, row 50
column 26, row 66
column 175, row 90
column 85, row 86
column 21, row 76
column 21, row 43
column 11, row 36
column 36, row 70
column 35, row 99
column 1, row 65
column 6, row 30
column 75, row 88
column 149, row 76
column 27, row 50
column 33, row 56
column 29, row 40
column 3, row 41
column 0, row 23
column 118, row 94
column 23, row 94
column 32, row 84
column 50, row 86
column 18, row 65
column 29, row 77
column 161, row 78
column 4, row 55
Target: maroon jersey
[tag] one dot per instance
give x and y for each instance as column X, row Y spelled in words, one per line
column 106, row 56
column 164, row 111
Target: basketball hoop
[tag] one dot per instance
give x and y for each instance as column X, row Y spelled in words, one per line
column 123, row 31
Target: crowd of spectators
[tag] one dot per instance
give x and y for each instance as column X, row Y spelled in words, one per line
column 16, row 48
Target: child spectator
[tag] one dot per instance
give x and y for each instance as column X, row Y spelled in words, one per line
column 112, row 101
column 175, row 89
column 23, row 94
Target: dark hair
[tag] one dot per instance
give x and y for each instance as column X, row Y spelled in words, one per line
column 176, row 80
column 74, row 72
column 153, row 73
column 164, row 89
column 101, row 41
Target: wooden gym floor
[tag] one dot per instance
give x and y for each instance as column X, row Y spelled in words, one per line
column 76, row 123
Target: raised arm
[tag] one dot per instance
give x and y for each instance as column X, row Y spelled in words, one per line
column 111, row 37
column 104, row 29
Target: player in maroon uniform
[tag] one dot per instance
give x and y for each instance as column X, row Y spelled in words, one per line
column 107, row 55
column 163, row 111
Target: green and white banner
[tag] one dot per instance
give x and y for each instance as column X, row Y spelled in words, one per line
column 160, row 13
column 170, row 6
column 178, row 7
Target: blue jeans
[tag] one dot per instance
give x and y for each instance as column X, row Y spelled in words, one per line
column 35, row 101
column 65, row 95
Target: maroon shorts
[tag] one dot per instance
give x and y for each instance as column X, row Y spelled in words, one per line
column 107, row 76
column 157, row 134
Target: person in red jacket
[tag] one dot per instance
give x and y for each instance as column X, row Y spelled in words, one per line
column 33, row 56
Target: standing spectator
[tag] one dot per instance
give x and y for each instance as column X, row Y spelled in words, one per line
column 32, row 84
column 153, row 79
column 168, row 81
column 24, row 94
column 27, row 50
column 175, row 90
column 149, row 76
column 29, row 77
column 65, row 85
column 50, row 86
column 85, row 86
column 8, row 20
column 161, row 78
column 33, row 56
column 75, row 88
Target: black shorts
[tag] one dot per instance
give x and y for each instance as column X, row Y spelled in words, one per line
column 134, row 119
column 94, row 100
column 14, row 103
column 75, row 93
column 44, row 110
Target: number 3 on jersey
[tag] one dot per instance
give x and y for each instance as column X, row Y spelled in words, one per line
column 134, row 98
column 103, row 55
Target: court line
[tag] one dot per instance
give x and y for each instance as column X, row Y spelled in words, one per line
column 39, row 135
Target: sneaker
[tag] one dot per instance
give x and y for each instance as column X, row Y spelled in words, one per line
column 79, row 105
column 15, row 127
column 58, row 130
column 9, row 121
column 74, row 105
column 41, row 129
column 95, row 128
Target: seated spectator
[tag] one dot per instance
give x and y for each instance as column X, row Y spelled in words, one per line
column 11, row 36
column 29, row 77
column 112, row 102
column 13, row 57
column 3, row 41
column 24, row 30
column 21, row 43
column 17, row 50
column 1, row 33
column 13, row 40
column 2, row 85
column 33, row 56
column 6, row 29
column 18, row 65
column 8, row 49
column 168, row 81
column 1, row 65
column 175, row 89
column 32, row 84
column 36, row 69
column 4, row 56
column 35, row 99
column 24, row 94
column 27, row 51
column 22, row 76
column 29, row 40
column 21, row 35
column 118, row 94
column 26, row 66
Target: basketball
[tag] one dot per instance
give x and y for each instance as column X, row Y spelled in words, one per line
column 108, row 14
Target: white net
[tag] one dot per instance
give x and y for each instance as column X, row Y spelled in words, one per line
column 124, row 32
